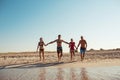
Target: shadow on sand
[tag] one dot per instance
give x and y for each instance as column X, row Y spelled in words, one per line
column 27, row 66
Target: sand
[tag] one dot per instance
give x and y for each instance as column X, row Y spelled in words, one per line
column 92, row 58
column 97, row 65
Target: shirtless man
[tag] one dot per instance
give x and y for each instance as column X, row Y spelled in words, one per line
column 40, row 46
column 83, row 46
column 59, row 46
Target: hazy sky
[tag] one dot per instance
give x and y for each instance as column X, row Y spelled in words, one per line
column 23, row 22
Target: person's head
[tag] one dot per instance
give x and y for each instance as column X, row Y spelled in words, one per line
column 71, row 40
column 81, row 37
column 41, row 39
column 59, row 36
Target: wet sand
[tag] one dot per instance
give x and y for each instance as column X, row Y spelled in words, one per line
column 37, row 73
column 97, row 65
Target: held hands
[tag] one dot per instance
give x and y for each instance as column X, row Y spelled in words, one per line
column 76, row 50
column 46, row 44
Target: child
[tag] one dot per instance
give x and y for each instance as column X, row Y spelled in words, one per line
column 72, row 50
column 40, row 46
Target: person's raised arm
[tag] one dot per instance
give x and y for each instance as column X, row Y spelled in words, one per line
column 75, row 47
column 65, row 42
column 51, row 42
column 78, row 45
column 76, row 50
column 44, row 44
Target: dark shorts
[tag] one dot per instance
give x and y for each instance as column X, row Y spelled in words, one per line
column 82, row 50
column 41, row 50
column 59, row 49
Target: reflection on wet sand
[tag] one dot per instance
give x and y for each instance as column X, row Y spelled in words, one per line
column 42, row 74
column 101, row 73
column 72, row 74
column 84, row 75
column 59, row 74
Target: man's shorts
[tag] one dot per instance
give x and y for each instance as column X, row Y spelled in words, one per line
column 59, row 49
column 82, row 50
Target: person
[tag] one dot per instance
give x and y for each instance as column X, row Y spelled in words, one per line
column 83, row 45
column 59, row 46
column 40, row 46
column 72, row 50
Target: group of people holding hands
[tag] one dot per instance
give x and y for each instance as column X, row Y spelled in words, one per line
column 82, row 43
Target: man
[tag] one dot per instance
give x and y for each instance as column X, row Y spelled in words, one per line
column 83, row 46
column 59, row 46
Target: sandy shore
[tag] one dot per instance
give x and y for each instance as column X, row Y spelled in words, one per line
column 92, row 58
column 97, row 65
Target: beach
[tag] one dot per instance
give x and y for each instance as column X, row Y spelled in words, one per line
column 97, row 65
column 37, row 73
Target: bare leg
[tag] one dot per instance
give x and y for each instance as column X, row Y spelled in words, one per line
column 81, row 56
column 61, row 54
column 74, row 53
column 58, row 56
column 71, row 56
column 43, row 56
column 40, row 55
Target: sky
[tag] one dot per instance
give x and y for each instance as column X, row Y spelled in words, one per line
column 23, row 22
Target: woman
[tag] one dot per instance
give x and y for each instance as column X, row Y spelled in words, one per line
column 40, row 46
column 72, row 50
